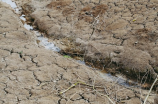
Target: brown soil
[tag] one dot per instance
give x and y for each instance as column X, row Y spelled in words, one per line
column 59, row 4
column 123, row 38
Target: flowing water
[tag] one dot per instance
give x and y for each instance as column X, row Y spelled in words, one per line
column 49, row 45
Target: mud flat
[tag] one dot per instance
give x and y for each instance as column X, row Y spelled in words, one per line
column 32, row 74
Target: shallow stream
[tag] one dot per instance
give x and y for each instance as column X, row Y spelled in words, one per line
column 51, row 46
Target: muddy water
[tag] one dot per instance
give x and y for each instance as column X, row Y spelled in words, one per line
column 43, row 41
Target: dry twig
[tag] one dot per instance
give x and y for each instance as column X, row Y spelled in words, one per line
column 150, row 90
column 83, row 83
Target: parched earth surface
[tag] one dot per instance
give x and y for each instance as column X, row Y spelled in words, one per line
column 30, row 74
column 118, row 34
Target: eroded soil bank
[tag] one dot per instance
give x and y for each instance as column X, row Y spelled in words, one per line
column 120, row 35
column 31, row 74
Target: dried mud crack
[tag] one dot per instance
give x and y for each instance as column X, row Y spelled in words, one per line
column 31, row 74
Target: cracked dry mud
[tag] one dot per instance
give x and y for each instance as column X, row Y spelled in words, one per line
column 30, row 74
column 117, row 34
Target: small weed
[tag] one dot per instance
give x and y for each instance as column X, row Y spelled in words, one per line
column 20, row 52
column 66, row 56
